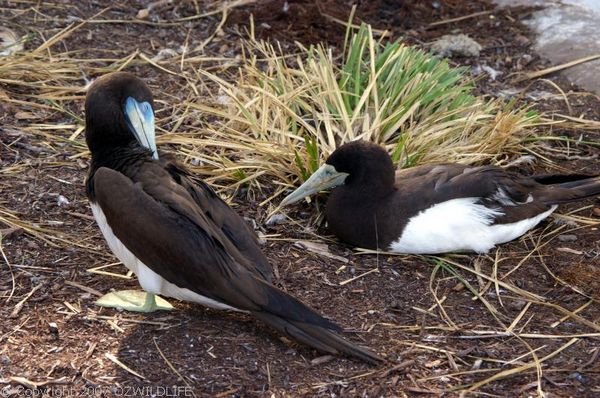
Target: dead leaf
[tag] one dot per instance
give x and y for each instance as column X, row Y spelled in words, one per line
column 25, row 115
column 142, row 14
column 319, row 248
column 10, row 42
column 458, row 287
column 4, row 96
column 154, row 6
column 433, row 364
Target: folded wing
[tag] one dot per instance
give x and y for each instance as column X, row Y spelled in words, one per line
column 163, row 226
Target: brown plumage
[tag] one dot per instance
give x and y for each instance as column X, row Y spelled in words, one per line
column 178, row 227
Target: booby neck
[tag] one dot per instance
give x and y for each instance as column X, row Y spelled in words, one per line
column 119, row 124
column 125, row 160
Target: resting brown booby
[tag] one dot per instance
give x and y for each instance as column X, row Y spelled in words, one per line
column 173, row 231
column 435, row 208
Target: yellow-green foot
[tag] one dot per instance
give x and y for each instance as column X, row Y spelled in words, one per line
column 134, row 300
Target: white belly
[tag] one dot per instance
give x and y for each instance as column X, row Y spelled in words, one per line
column 149, row 280
column 459, row 225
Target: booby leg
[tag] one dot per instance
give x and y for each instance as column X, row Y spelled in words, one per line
column 134, row 300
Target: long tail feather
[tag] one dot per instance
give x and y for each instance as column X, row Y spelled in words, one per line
column 295, row 319
column 320, row 338
column 555, row 179
column 570, row 190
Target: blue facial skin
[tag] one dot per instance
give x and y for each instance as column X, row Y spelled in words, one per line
column 140, row 120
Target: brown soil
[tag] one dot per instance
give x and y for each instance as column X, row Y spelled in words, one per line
column 60, row 339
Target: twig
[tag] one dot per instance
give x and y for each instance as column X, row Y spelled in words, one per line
column 142, row 322
column 591, row 361
column 12, row 274
column 451, row 20
column 90, row 350
column 214, row 33
column 156, row 65
column 81, row 215
column 16, row 329
column 84, row 288
column 360, row 376
column 19, row 305
column 115, row 360
column 114, row 326
column 98, row 271
column 66, row 32
column 400, row 366
column 358, row 276
column 547, row 71
column 564, row 318
column 170, row 365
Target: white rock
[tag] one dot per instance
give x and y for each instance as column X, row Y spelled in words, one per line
column 62, row 201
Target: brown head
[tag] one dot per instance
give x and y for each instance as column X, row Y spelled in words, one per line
column 364, row 168
column 119, row 111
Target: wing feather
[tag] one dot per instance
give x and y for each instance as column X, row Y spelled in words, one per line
column 164, row 229
column 512, row 194
column 231, row 224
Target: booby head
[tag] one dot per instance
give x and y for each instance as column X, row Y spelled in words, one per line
column 360, row 165
column 119, row 112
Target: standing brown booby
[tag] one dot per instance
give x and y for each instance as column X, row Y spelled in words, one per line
column 433, row 208
column 173, row 231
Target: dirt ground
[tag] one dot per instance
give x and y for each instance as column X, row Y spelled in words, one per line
column 440, row 340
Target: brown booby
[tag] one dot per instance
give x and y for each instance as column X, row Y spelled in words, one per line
column 173, row 231
column 434, row 208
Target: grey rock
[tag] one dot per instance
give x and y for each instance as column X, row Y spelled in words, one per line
column 567, row 238
column 276, row 219
column 456, row 45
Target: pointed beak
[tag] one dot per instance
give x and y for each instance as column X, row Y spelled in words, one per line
column 325, row 177
column 140, row 119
